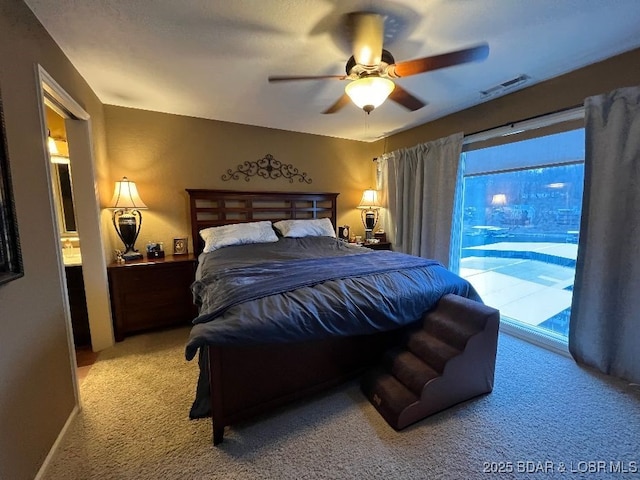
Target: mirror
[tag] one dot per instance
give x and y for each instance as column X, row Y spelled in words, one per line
column 61, row 173
column 63, row 191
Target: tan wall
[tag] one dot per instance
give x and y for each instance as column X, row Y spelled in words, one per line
column 556, row 94
column 36, row 389
column 165, row 154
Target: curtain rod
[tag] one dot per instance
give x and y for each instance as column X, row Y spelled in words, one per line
column 563, row 115
column 575, row 109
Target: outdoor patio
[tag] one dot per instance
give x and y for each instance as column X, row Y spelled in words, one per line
column 528, row 282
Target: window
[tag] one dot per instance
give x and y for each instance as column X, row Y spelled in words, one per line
column 521, row 210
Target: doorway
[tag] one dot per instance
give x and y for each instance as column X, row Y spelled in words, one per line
column 76, row 125
column 62, row 187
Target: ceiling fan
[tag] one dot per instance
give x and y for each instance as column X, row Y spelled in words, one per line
column 371, row 67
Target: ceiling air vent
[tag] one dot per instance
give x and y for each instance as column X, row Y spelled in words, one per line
column 505, row 86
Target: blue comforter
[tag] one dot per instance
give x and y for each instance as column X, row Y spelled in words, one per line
column 311, row 288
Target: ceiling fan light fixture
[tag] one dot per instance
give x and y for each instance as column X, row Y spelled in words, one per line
column 369, row 92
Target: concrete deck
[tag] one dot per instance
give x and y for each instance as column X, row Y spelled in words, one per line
column 528, row 291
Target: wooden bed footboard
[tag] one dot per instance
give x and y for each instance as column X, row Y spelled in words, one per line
column 246, row 381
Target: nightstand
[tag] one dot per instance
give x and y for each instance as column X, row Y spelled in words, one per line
column 378, row 246
column 151, row 293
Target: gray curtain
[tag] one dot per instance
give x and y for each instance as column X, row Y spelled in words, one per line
column 455, row 249
column 418, row 188
column 604, row 328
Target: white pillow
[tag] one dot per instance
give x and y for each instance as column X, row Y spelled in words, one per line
column 237, row 234
column 321, row 227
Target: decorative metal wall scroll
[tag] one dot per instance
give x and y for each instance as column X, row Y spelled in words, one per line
column 267, row 167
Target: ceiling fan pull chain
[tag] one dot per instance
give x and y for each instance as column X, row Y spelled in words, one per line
column 366, row 125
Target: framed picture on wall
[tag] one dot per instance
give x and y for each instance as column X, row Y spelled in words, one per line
column 10, row 255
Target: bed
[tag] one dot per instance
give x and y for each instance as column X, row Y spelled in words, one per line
column 285, row 318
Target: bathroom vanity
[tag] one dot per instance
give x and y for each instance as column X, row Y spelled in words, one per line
column 77, row 299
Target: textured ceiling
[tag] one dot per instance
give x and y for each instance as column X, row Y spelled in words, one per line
column 211, row 58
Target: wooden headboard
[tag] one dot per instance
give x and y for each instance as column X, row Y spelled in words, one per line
column 212, row 208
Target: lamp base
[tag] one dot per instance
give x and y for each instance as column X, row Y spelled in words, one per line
column 130, row 256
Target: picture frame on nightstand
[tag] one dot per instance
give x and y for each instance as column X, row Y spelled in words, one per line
column 343, row 233
column 180, row 246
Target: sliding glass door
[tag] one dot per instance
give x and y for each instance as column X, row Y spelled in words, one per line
column 520, row 214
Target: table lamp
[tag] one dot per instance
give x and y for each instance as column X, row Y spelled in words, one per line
column 127, row 219
column 370, row 207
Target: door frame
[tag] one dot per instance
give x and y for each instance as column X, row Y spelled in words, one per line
column 86, row 196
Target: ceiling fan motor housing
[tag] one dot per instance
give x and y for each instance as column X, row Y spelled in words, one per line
column 355, row 70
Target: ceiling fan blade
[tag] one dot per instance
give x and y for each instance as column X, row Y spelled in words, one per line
column 427, row 64
column 407, row 100
column 290, row 78
column 340, row 103
column 368, row 36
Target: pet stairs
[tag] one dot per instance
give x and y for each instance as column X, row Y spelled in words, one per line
column 446, row 360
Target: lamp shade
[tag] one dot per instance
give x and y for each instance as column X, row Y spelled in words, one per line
column 369, row 199
column 126, row 196
column 369, row 92
column 499, row 200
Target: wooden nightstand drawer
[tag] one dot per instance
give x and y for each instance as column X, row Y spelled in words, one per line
column 137, row 303
column 151, row 293
column 147, row 278
column 378, row 246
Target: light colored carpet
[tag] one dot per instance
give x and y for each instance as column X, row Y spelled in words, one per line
column 544, row 408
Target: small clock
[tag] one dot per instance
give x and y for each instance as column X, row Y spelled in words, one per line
column 343, row 233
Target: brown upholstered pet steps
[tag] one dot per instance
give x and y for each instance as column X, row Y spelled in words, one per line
column 448, row 359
